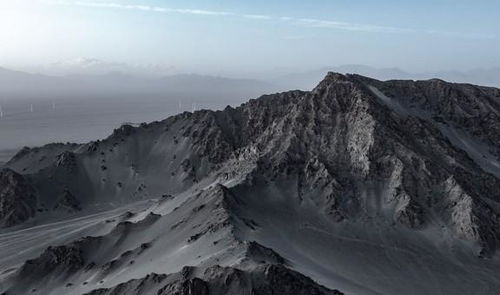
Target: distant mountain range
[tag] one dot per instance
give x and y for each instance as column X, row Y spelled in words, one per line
column 19, row 83
column 308, row 79
column 100, row 75
column 94, row 66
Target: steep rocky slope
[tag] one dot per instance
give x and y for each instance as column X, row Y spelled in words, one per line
column 17, row 198
column 350, row 184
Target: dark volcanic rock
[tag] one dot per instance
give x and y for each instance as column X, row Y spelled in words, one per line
column 67, row 160
column 68, row 202
column 132, row 287
column 281, row 280
column 264, row 280
column 63, row 260
column 186, row 287
column 17, row 198
column 124, row 130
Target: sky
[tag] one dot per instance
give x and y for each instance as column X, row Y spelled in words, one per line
column 235, row 37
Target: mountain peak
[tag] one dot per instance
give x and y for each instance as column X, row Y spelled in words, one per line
column 337, row 78
column 322, row 171
column 334, row 77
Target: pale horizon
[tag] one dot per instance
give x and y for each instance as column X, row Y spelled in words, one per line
column 234, row 38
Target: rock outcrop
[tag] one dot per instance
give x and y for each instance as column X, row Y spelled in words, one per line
column 18, row 199
column 253, row 193
column 265, row 280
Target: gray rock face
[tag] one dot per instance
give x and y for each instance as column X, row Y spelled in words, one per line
column 65, row 259
column 66, row 160
column 139, row 286
column 343, row 141
column 473, row 108
column 17, row 199
column 67, row 202
column 264, row 280
column 420, row 159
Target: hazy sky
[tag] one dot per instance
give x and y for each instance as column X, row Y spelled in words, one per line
column 235, row 36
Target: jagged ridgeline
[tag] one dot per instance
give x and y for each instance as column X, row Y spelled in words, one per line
column 359, row 185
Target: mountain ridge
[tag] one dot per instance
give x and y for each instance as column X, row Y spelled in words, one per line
column 354, row 163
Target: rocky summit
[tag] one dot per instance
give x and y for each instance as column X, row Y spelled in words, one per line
column 359, row 186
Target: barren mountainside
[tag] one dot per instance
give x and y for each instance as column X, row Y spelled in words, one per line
column 358, row 186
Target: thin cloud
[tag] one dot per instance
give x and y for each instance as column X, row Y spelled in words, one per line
column 257, row 16
column 305, row 22
column 318, row 23
column 200, row 12
column 112, row 5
